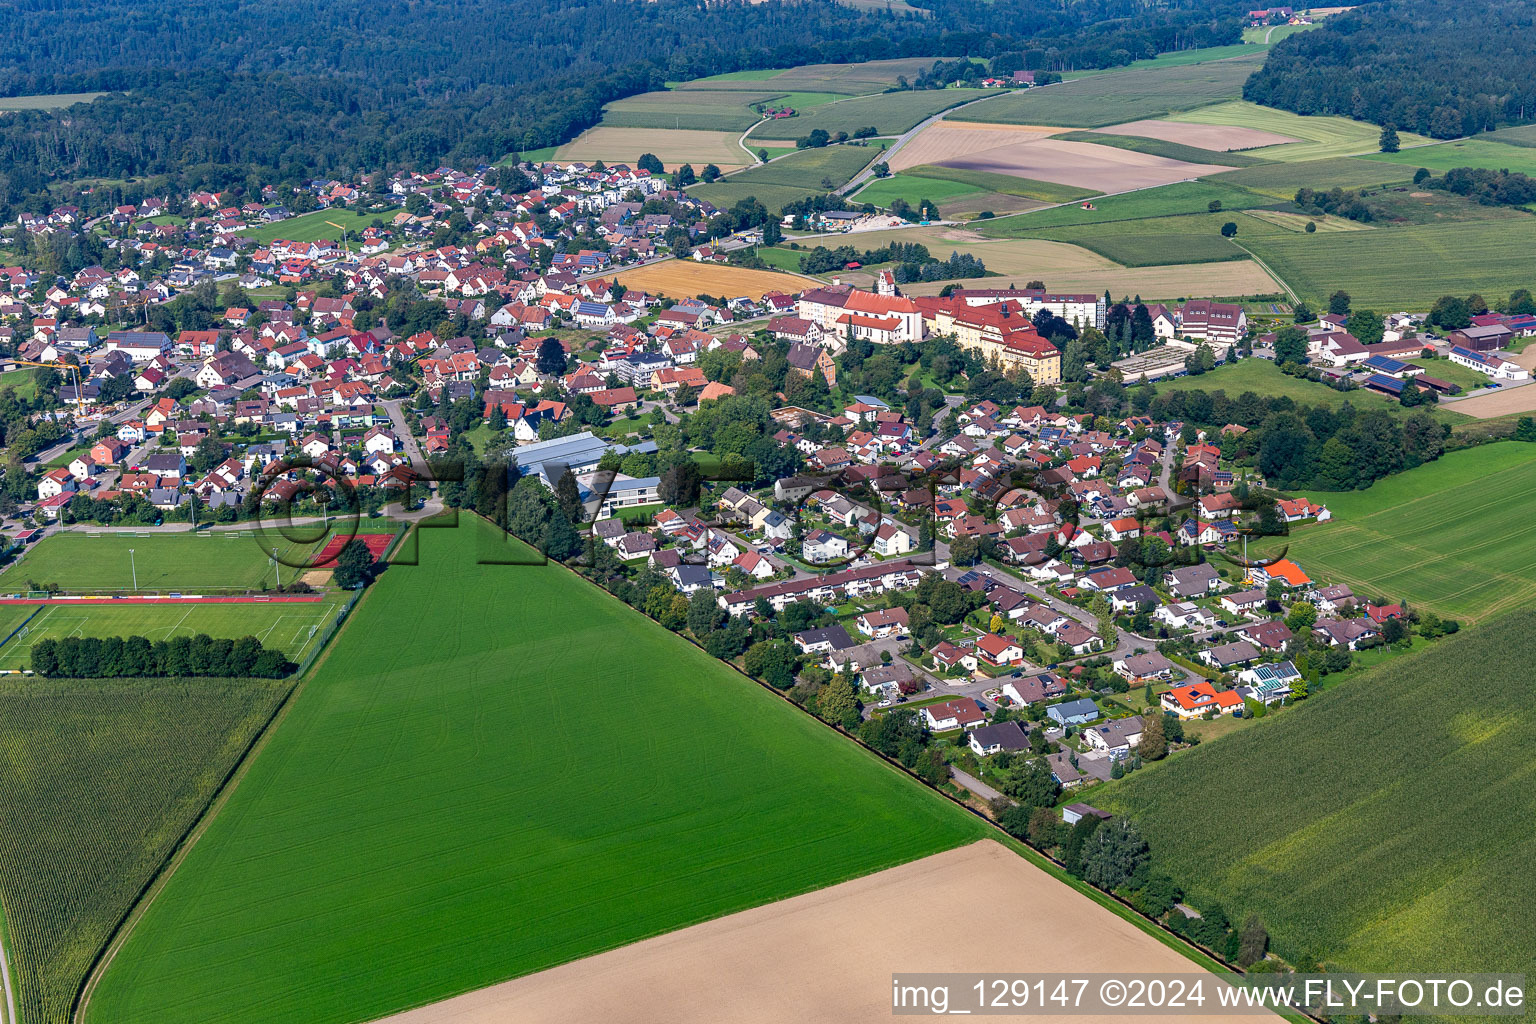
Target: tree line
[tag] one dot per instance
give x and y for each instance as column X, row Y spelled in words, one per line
column 1443, row 68
column 90, row 657
column 215, row 93
column 1486, row 186
column 1298, row 446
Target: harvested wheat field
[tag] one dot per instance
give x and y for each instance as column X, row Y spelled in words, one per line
column 1504, row 402
column 672, row 146
column 829, row 955
column 949, row 140
column 1218, row 137
column 1083, row 165
column 683, row 279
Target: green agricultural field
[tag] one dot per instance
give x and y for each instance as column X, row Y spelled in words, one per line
column 1263, row 378
column 888, row 113
column 849, row 79
column 1446, row 536
column 1498, row 156
column 100, row 780
column 1107, row 99
column 1191, row 238
column 1163, row 148
column 79, row 560
column 1387, row 827
column 715, row 110
column 498, row 769
column 1317, row 137
column 1177, row 58
column 1004, row 184
column 290, row 627
column 1281, row 180
column 1404, row 267
column 56, row 101
column 311, row 227
column 1524, row 135
column 913, row 189
column 790, row 178
column 1184, row 197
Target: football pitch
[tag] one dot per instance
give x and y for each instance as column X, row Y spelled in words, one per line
column 194, row 563
column 497, row 769
column 288, row 626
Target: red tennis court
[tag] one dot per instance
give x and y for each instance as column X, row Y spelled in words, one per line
column 377, row 543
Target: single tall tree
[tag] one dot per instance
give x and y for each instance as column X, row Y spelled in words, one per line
column 551, row 358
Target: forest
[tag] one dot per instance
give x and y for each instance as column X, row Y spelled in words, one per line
column 293, row 89
column 1443, row 68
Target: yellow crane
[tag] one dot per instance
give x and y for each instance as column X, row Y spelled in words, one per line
column 344, row 247
column 79, row 397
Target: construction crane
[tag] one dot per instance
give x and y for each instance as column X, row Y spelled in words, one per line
column 79, row 397
column 344, row 247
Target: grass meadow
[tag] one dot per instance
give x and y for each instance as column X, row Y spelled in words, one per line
column 913, row 188
column 53, row 101
column 1382, row 825
column 498, row 769
column 1449, row 536
column 1263, row 378
column 311, row 227
column 1440, row 158
column 100, row 780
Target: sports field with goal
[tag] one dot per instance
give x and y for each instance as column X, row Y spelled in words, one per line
column 289, row 626
column 206, row 562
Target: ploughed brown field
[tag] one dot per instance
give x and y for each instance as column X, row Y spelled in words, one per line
column 1083, row 165
column 1218, row 137
column 949, row 140
column 828, row 956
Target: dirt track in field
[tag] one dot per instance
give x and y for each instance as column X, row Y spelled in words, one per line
column 828, row 956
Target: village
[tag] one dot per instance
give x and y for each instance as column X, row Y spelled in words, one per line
column 1033, row 579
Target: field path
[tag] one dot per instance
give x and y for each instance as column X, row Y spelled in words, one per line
column 5, row 982
column 846, row 941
